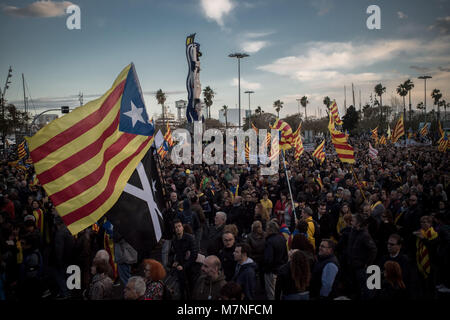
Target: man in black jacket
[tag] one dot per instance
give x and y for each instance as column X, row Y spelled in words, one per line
column 361, row 253
column 226, row 255
column 245, row 274
column 275, row 255
column 214, row 235
column 185, row 250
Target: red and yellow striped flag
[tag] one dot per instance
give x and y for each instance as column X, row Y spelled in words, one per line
column 399, row 130
column 247, row 151
column 375, row 135
column 335, row 113
column 85, row 158
column 319, row 153
column 286, row 134
column 340, row 141
column 443, row 143
column 21, row 151
column 168, row 136
column 298, row 143
column 424, row 130
column 383, row 140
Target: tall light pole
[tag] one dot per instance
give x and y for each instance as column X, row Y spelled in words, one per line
column 425, row 96
column 239, row 56
column 249, row 110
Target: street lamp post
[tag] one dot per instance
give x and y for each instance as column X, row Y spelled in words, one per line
column 425, row 95
column 239, row 56
column 249, row 110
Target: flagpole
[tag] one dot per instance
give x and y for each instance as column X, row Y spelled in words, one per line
column 155, row 154
column 357, row 181
column 289, row 185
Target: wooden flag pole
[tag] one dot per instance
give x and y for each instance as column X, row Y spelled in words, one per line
column 359, row 184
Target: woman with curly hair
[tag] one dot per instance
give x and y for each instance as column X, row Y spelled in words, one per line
column 154, row 273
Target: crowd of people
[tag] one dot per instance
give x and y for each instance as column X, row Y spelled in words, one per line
column 233, row 234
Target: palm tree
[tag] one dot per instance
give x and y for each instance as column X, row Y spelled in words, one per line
column 208, row 95
column 402, row 92
column 225, row 113
column 327, row 101
column 161, row 97
column 436, row 95
column 379, row 90
column 443, row 103
column 304, row 101
column 278, row 105
column 409, row 85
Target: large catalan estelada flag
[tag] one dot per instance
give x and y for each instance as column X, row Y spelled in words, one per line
column 335, row 113
column 286, row 135
column 399, row 130
column 319, row 153
column 85, row 158
column 344, row 150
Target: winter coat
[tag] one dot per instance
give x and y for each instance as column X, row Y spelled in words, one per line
column 245, row 276
column 257, row 244
column 180, row 248
column 361, row 250
column 101, row 287
column 228, row 263
column 214, row 242
column 275, row 253
column 207, row 289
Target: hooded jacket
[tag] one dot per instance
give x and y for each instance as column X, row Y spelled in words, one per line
column 245, row 275
column 207, row 289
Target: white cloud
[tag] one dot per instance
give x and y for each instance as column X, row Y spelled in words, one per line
column 217, row 9
column 401, row 15
column 40, row 9
column 324, row 58
column 246, row 85
column 253, row 46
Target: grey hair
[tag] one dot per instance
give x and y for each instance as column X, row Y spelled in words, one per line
column 223, row 215
column 138, row 284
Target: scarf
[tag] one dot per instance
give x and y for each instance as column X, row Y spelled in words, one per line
column 422, row 255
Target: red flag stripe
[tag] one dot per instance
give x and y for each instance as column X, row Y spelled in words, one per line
column 78, row 158
column 92, row 178
column 80, row 127
column 346, row 156
column 90, row 207
column 343, row 146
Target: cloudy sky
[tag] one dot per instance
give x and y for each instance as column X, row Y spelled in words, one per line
column 296, row 47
